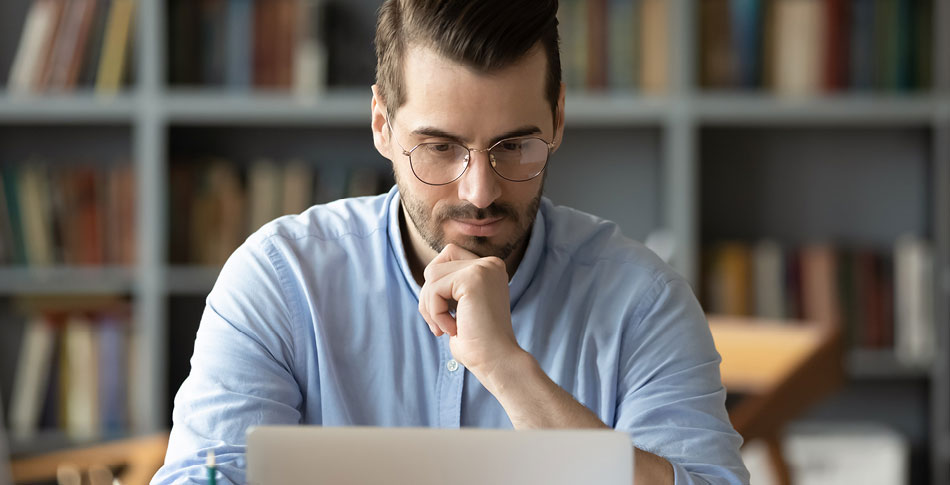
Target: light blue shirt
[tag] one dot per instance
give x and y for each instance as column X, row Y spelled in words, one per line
column 315, row 320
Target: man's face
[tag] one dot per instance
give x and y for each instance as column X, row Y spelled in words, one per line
column 448, row 102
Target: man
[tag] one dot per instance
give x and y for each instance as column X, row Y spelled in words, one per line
column 461, row 297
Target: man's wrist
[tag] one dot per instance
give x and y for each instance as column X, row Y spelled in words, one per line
column 506, row 373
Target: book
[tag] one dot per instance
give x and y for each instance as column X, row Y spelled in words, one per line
column 184, row 63
column 35, row 39
column 58, row 21
column 239, row 44
column 799, row 40
column 914, row 333
column 572, row 20
column 36, row 214
column 922, row 39
column 82, row 378
column 655, row 45
column 228, row 228
column 93, row 50
column 111, row 343
column 264, row 193
column 717, row 53
column 862, row 58
column 298, row 187
column 214, row 38
column 30, row 380
column 287, row 20
column 310, row 57
column 264, row 41
column 11, row 191
column 819, row 285
column 768, row 265
column 729, row 285
column 746, row 41
column 69, row 43
column 837, row 45
column 6, row 231
column 114, row 47
column 596, row 76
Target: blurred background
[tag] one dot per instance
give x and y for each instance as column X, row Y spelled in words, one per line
column 790, row 157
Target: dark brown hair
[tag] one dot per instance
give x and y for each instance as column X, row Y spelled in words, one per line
column 486, row 35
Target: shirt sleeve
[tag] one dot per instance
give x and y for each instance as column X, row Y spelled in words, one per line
column 670, row 396
column 242, row 370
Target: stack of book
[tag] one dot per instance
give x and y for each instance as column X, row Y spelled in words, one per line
column 617, row 45
column 809, row 47
column 67, row 214
column 65, row 44
column 264, row 44
column 72, row 373
column 215, row 204
column 882, row 301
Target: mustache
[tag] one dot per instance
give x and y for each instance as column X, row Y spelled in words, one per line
column 468, row 211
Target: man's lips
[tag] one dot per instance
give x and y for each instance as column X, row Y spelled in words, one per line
column 478, row 227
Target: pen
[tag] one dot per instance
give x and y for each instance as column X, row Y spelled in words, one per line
column 209, row 464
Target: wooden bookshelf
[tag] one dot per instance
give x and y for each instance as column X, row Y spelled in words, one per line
column 653, row 142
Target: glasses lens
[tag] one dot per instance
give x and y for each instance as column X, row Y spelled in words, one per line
column 520, row 159
column 438, row 163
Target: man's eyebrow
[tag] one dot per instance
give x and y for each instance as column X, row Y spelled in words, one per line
column 434, row 132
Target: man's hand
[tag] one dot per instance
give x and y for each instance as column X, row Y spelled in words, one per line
column 481, row 332
column 483, row 340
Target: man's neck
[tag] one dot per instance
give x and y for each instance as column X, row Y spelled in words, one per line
column 419, row 254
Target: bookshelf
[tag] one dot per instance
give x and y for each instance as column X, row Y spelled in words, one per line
column 648, row 158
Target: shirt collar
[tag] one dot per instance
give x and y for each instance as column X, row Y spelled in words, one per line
column 518, row 284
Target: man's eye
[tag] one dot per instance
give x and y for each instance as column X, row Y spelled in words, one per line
column 440, row 147
column 510, row 146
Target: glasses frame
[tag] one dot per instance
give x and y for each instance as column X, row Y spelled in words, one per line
column 468, row 159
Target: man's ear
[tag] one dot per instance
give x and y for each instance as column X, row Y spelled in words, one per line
column 559, row 134
column 380, row 130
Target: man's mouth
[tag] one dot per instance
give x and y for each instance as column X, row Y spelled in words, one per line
column 477, row 227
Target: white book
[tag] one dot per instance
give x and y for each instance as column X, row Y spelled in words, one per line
column 31, row 379
column 914, row 334
column 768, row 267
column 310, row 55
column 37, row 33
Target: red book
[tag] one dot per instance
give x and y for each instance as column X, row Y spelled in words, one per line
column 88, row 218
column 596, row 44
column 837, row 53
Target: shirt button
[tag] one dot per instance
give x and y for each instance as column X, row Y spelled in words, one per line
column 452, row 365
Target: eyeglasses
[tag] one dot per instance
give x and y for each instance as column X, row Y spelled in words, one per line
column 515, row 159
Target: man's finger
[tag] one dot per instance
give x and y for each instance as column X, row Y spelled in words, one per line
column 435, row 271
column 452, row 252
column 439, row 303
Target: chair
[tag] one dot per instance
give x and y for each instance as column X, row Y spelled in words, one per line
column 782, row 368
column 139, row 459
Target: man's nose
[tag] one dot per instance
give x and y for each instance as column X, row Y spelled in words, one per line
column 479, row 185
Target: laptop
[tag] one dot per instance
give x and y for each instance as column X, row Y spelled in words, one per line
column 423, row 456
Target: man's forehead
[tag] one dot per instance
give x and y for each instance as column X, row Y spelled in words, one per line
column 440, row 91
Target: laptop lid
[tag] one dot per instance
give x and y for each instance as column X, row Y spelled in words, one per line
column 424, row 456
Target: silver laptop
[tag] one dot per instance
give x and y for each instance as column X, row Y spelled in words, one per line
column 420, row 456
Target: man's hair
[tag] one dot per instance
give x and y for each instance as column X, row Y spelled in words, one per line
column 487, row 35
